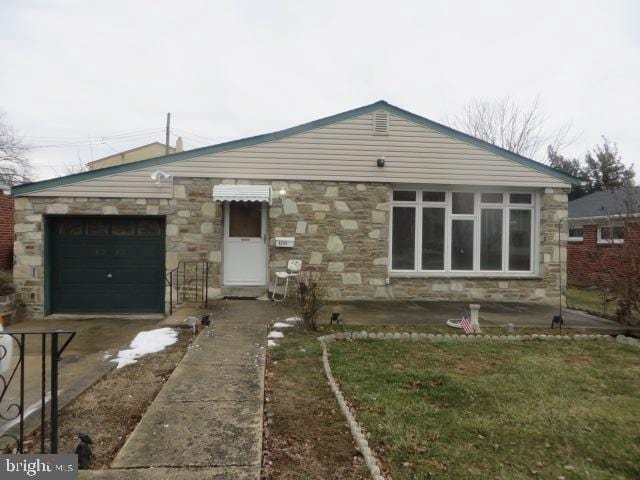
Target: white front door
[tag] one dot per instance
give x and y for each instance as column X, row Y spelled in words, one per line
column 245, row 243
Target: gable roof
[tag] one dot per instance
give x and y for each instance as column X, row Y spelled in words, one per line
column 605, row 203
column 269, row 137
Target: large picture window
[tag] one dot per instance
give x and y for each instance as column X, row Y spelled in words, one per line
column 462, row 231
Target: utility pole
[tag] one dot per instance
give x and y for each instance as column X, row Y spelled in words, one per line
column 166, row 140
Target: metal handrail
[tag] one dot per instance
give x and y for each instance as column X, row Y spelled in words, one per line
column 186, row 271
column 20, row 338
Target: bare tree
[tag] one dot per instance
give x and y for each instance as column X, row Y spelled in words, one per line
column 15, row 167
column 623, row 280
column 508, row 125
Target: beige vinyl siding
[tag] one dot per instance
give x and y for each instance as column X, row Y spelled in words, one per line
column 134, row 184
column 344, row 151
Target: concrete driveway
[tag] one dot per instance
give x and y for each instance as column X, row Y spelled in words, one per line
column 82, row 364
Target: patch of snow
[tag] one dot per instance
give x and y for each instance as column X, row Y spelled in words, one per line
column 293, row 319
column 282, row 325
column 275, row 334
column 151, row 341
column 271, row 343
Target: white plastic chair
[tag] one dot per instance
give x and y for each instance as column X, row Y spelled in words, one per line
column 293, row 270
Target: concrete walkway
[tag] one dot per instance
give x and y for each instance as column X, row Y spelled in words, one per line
column 206, row 422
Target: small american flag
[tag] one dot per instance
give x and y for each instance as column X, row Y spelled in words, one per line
column 465, row 323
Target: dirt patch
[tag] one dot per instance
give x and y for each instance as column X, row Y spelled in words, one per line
column 110, row 410
column 305, row 434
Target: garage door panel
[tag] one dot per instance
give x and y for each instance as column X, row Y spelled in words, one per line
column 95, row 268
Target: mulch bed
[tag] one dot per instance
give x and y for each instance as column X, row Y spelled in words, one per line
column 110, row 410
column 305, row 434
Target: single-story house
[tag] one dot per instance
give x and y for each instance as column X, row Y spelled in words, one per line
column 6, row 227
column 385, row 203
column 600, row 224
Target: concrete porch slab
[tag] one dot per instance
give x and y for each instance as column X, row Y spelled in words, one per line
column 436, row 313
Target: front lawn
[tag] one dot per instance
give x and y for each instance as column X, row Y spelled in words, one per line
column 496, row 410
column 592, row 301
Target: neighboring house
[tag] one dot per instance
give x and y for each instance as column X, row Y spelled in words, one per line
column 597, row 235
column 151, row 150
column 6, row 227
column 385, row 203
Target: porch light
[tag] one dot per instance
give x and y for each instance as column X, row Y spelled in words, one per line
column 282, row 192
column 159, row 175
column 380, row 162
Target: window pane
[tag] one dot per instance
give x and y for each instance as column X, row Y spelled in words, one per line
column 491, row 197
column 491, row 240
column 520, row 198
column 612, row 233
column 123, row 228
column 245, row 219
column 433, row 238
column 404, row 196
column 618, row 233
column 149, row 228
column 520, row 240
column 70, row 227
column 97, row 227
column 462, row 245
column 575, row 232
column 462, row 202
column 433, row 196
column 403, row 238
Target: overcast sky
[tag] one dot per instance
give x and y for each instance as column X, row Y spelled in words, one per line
column 74, row 72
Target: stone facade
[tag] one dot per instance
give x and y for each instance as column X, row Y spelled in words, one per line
column 341, row 229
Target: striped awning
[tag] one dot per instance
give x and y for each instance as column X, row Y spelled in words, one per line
column 242, row 193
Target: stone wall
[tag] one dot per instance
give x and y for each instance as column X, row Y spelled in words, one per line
column 193, row 231
column 341, row 229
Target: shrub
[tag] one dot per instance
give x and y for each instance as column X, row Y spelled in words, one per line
column 310, row 298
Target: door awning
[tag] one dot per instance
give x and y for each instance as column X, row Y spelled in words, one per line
column 242, row 193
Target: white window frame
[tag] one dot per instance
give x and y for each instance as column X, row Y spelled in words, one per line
column 506, row 208
column 577, row 239
column 607, row 241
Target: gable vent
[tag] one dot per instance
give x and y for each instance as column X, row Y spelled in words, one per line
column 381, row 123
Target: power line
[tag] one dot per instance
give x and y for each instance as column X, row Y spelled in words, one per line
column 93, row 141
column 208, row 139
column 115, row 135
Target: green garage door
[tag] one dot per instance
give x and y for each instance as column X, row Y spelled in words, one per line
column 106, row 265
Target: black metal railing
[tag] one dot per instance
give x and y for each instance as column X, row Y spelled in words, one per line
column 189, row 283
column 12, row 404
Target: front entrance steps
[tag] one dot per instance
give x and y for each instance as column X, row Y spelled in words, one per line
column 260, row 293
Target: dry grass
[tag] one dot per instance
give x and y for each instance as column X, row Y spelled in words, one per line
column 306, row 437
column 110, row 410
